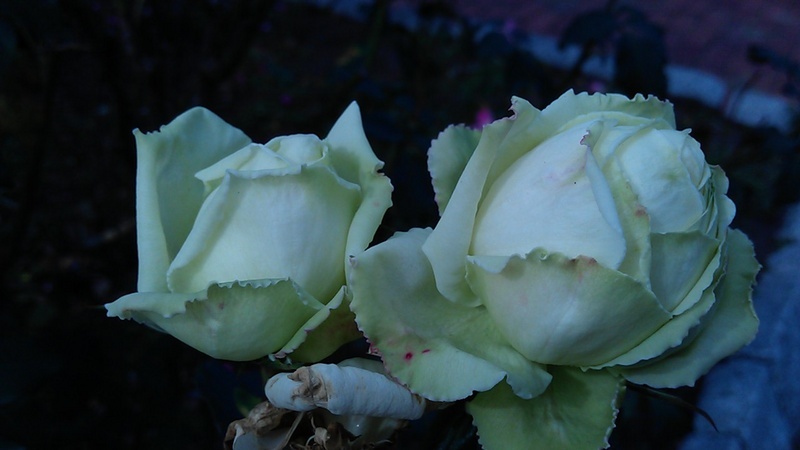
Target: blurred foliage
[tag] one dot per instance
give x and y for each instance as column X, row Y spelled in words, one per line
column 76, row 76
column 624, row 32
column 761, row 55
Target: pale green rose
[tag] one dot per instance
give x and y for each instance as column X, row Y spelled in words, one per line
column 243, row 246
column 578, row 247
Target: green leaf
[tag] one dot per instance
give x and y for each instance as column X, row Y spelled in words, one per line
column 577, row 411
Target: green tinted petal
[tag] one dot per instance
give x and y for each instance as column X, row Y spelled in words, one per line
column 353, row 156
column 163, row 304
column 447, row 158
column 684, row 265
column 235, row 321
column 726, row 209
column 260, row 225
column 441, row 350
column 553, row 197
column 353, row 159
column 635, row 222
column 298, row 148
column 330, row 328
column 168, row 196
column 730, row 325
column 577, row 411
column 667, row 338
column 652, row 163
column 689, row 311
column 694, row 159
column 606, row 136
column 250, row 157
column 571, row 109
column 557, row 310
column 501, row 143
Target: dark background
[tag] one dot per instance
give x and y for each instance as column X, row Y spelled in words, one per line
column 76, row 76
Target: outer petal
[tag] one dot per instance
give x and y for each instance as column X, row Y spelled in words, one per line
column 577, row 411
column 501, row 143
column 168, row 196
column 571, row 109
column 557, row 310
column 730, row 325
column 725, row 207
column 349, row 145
column 330, row 328
column 447, row 158
column 234, row 321
column 669, row 337
column 442, row 351
column 353, row 159
column 267, row 224
column 684, row 266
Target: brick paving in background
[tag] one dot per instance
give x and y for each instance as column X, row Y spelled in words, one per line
column 709, row 35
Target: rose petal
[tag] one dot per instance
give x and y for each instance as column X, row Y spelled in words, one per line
column 501, row 143
column 665, row 188
column 235, row 321
column 270, row 225
column 669, row 337
column 352, row 159
column 441, row 350
column 730, row 325
column 632, row 216
column 553, row 197
column 447, row 158
column 571, row 109
column 684, row 265
column 558, row 310
column 167, row 194
column 331, row 327
column 250, row 157
column 298, row 148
